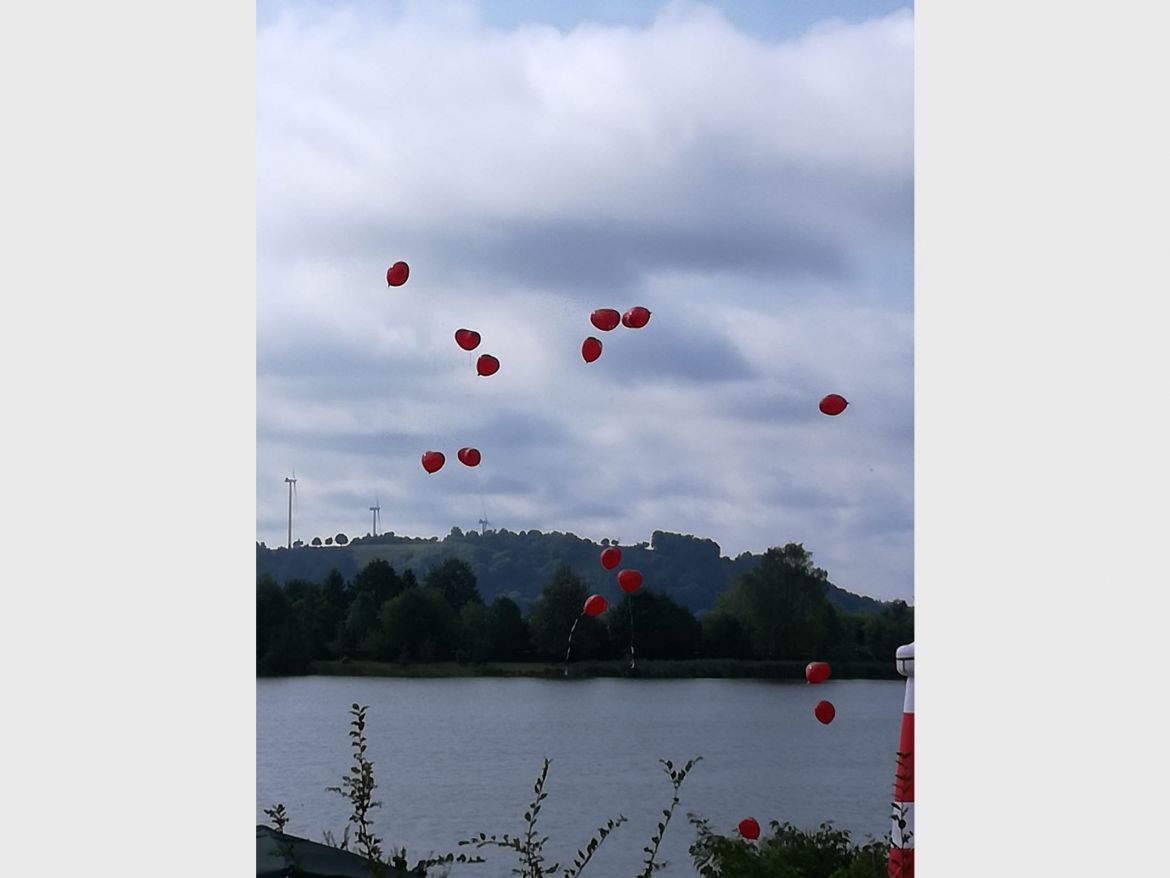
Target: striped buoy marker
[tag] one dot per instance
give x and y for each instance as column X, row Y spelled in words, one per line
column 902, row 843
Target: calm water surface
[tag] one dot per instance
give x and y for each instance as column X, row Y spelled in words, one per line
column 455, row 757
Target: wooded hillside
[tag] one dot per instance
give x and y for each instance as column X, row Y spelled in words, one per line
column 691, row 570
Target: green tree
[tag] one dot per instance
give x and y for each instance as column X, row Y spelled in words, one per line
column 781, row 603
column 272, row 611
column 507, row 632
column 294, row 626
column 295, row 589
column 334, row 590
column 291, row 650
column 725, row 637
column 889, row 628
column 662, row 628
column 319, row 620
column 379, row 580
column 418, row 625
column 555, row 611
column 455, row 581
column 361, row 620
column 285, row 638
column 473, row 636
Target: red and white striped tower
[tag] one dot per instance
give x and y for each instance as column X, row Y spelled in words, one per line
column 902, row 844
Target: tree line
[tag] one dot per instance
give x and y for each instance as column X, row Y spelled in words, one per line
column 777, row 610
column 691, row 569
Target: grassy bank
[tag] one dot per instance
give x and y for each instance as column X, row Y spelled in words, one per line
column 646, row 669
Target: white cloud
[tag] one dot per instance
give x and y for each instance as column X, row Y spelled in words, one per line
column 755, row 195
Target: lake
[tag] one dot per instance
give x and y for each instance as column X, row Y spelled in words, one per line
column 456, row 757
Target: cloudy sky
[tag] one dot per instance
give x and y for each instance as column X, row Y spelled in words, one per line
column 743, row 170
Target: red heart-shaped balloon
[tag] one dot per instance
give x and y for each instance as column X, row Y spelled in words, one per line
column 397, row 274
column 605, row 319
column 817, row 672
column 590, row 349
column 636, row 317
column 595, row 605
column 611, row 557
column 433, row 461
column 487, row 365
column 469, row 456
column 629, row 580
column 749, row 828
column 825, row 712
column 833, row 404
column 468, row 339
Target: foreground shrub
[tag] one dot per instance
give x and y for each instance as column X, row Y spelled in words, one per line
column 788, row 852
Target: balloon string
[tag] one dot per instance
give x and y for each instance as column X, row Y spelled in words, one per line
column 631, row 604
column 570, row 649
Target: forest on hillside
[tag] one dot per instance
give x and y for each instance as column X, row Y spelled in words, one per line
column 777, row 609
column 516, row 565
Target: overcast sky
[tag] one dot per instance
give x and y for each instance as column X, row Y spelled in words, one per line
column 743, row 170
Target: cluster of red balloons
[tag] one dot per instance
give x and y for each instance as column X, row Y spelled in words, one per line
column 814, row 672
column 607, row 319
column 432, row 461
column 628, row 580
column 469, row 340
column 818, row 672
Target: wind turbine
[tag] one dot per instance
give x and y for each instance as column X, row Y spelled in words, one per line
column 292, row 484
column 375, row 509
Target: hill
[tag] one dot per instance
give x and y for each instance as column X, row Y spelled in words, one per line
column 690, row 569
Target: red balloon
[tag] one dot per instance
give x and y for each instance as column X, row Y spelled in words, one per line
column 469, row 456
column 590, row 349
column 833, row 404
column 749, row 828
column 468, row 339
column 636, row 317
column 611, row 557
column 487, row 365
column 817, row 672
column 397, row 274
column 595, row 605
column 629, row 580
column 825, row 711
column 605, row 319
column 433, row 461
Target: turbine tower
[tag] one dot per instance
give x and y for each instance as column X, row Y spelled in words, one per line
column 291, row 485
column 375, row 509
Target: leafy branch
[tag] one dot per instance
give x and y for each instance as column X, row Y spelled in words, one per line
column 278, row 816
column 529, row 848
column 358, row 786
column 677, row 776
